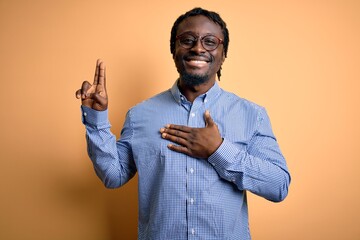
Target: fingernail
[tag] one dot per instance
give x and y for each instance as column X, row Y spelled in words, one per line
column 163, row 135
column 162, row 130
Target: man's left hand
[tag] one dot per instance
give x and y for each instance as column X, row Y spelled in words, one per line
column 195, row 142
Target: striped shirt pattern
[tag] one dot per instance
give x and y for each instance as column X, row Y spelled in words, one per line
column 181, row 197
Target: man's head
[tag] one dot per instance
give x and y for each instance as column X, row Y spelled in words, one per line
column 199, row 35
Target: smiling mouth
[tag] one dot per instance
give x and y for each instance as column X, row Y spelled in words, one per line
column 197, row 63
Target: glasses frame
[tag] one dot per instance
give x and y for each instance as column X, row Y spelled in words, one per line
column 197, row 38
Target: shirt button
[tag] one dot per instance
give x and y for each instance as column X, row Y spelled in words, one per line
column 193, row 231
column 191, row 170
column 205, row 101
column 193, row 114
column 85, row 114
column 192, row 200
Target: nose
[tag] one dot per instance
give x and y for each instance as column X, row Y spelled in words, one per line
column 198, row 47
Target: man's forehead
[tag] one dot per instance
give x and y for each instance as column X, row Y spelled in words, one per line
column 200, row 25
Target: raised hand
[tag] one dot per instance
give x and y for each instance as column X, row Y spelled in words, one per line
column 94, row 96
column 195, row 142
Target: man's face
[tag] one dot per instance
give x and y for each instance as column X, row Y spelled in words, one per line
column 197, row 65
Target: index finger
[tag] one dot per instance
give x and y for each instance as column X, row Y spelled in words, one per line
column 97, row 70
column 100, row 75
column 181, row 128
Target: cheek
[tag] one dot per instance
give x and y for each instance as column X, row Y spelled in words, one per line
column 178, row 57
column 218, row 60
column 178, row 62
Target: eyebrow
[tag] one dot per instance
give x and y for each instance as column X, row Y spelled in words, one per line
column 194, row 34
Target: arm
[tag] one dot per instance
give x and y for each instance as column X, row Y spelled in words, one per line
column 258, row 167
column 112, row 160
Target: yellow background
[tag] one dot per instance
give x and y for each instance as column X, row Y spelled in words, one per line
column 299, row 59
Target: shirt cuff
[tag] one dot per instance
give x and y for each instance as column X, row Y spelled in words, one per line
column 226, row 155
column 94, row 118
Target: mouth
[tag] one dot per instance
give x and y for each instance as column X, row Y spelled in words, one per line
column 197, row 62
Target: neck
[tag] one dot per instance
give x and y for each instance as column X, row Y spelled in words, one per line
column 192, row 92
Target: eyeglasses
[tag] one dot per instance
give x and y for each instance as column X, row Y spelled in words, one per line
column 209, row 42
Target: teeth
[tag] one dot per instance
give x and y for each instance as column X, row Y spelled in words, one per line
column 198, row 61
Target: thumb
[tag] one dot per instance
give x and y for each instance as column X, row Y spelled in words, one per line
column 208, row 120
column 101, row 102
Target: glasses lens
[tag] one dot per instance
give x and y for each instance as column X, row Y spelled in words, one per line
column 210, row 42
column 187, row 41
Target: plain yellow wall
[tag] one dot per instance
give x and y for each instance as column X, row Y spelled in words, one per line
column 299, row 59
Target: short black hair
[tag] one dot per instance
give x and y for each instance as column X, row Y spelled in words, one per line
column 215, row 17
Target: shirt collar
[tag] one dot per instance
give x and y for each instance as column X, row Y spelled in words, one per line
column 213, row 92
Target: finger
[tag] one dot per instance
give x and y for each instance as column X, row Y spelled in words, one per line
column 180, row 149
column 208, row 119
column 175, row 139
column 104, row 77
column 175, row 132
column 85, row 88
column 101, row 77
column 78, row 94
column 97, row 70
column 181, row 128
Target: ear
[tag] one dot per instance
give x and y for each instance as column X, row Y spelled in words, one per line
column 223, row 58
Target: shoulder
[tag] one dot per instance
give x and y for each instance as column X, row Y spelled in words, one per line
column 155, row 102
column 251, row 111
column 240, row 103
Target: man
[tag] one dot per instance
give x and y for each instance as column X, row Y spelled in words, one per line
column 196, row 148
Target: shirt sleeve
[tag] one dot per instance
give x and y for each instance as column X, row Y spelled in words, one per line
column 112, row 160
column 259, row 167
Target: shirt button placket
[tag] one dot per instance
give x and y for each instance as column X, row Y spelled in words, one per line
column 191, row 202
column 191, row 208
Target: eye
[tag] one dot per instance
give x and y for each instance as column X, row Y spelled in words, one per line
column 187, row 40
column 210, row 41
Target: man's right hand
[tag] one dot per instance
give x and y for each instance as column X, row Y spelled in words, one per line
column 94, row 96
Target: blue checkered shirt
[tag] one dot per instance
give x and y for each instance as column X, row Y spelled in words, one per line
column 181, row 197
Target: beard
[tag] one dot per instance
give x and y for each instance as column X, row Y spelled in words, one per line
column 193, row 80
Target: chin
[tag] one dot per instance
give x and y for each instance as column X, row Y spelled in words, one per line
column 191, row 80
